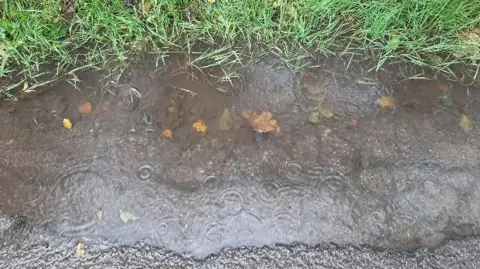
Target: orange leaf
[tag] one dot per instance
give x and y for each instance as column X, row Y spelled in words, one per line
column 200, row 126
column 168, row 133
column 85, row 108
column 262, row 123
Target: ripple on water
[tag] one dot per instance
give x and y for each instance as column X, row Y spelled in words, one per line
column 145, row 172
column 316, row 173
column 231, row 201
column 212, row 184
column 79, row 193
column 294, row 171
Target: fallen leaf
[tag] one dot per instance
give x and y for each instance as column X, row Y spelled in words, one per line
column 386, row 102
column 168, row 133
column 171, row 110
column 100, row 215
column 67, row 124
column 80, row 250
column 325, row 112
column 326, row 132
column 465, row 123
column 200, row 126
column 126, row 216
column 314, row 117
column 225, row 123
column 262, row 122
column 85, row 108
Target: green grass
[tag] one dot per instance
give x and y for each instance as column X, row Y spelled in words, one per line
column 430, row 33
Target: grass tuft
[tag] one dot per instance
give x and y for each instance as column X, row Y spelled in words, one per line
column 77, row 33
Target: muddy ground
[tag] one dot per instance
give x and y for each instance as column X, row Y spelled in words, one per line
column 398, row 177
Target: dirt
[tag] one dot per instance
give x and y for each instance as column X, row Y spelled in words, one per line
column 400, row 179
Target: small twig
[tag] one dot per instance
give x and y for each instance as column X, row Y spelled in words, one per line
column 193, row 94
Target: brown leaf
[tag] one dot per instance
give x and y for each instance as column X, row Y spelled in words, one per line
column 168, row 133
column 262, row 123
column 85, row 108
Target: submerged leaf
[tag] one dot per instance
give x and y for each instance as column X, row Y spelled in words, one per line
column 314, row 117
column 85, row 108
column 126, row 216
column 262, row 123
column 465, row 123
column 168, row 133
column 325, row 112
column 386, row 102
column 200, row 126
column 67, row 124
column 225, row 123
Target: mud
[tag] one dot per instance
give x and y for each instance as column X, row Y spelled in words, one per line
column 397, row 178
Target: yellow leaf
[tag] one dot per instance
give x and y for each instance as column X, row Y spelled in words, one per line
column 168, row 133
column 200, row 126
column 67, row 124
column 211, row 1
column 386, row 102
column 465, row 123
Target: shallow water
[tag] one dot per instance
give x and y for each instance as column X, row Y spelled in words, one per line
column 397, row 179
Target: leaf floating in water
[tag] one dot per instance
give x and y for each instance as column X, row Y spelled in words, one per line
column 85, row 108
column 262, row 122
column 67, row 124
column 465, row 123
column 126, row 216
column 80, row 250
column 200, row 126
column 325, row 112
column 225, row 121
column 168, row 133
column 386, row 103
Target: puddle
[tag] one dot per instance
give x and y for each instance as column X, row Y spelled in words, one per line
column 397, row 179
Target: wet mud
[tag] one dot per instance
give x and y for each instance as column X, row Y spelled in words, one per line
column 400, row 177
